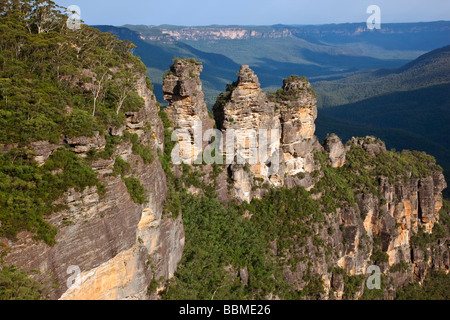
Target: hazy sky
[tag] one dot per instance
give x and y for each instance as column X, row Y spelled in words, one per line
column 254, row 12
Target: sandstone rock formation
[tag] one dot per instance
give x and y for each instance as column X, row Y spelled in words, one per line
column 187, row 108
column 117, row 245
column 298, row 111
column 284, row 149
column 120, row 247
column 336, row 150
column 378, row 226
column 252, row 127
column 371, row 144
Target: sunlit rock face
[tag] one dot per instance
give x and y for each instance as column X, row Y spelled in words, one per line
column 117, row 245
column 378, row 232
column 336, row 150
column 187, row 108
column 251, row 127
column 298, row 111
column 276, row 129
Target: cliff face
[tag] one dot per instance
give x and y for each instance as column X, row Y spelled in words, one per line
column 118, row 245
column 378, row 230
column 212, row 33
column 366, row 214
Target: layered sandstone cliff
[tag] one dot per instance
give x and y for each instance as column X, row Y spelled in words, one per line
column 378, row 231
column 120, row 247
column 117, row 245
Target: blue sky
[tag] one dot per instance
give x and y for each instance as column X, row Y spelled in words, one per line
column 254, row 12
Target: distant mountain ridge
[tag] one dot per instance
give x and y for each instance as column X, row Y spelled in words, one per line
column 321, row 52
column 325, row 32
column 408, row 107
column 432, row 68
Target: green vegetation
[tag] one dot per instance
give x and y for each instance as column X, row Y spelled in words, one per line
column 436, row 286
column 217, row 238
column 121, row 167
column 138, row 148
column 57, row 81
column 186, row 61
column 287, row 216
column 441, row 230
column 379, row 256
column 28, row 192
column 153, row 286
column 111, row 143
column 402, row 266
column 172, row 204
column 428, row 70
column 220, row 240
column 375, row 294
column 319, row 52
column 393, row 165
column 314, row 289
column 136, row 190
column 16, row 284
column 407, row 107
column 284, row 95
column 352, row 284
column 339, row 186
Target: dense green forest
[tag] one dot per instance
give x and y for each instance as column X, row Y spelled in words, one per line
column 221, row 239
column 407, row 107
column 56, row 83
column 430, row 69
column 319, row 52
column 322, row 52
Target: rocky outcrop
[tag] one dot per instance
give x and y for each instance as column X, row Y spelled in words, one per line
column 298, row 111
column 370, row 144
column 274, row 134
column 187, row 108
column 336, row 150
column 82, row 145
column 120, row 247
column 116, row 245
column 251, row 129
column 378, row 231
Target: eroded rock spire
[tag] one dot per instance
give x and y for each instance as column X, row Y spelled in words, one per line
column 187, row 108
